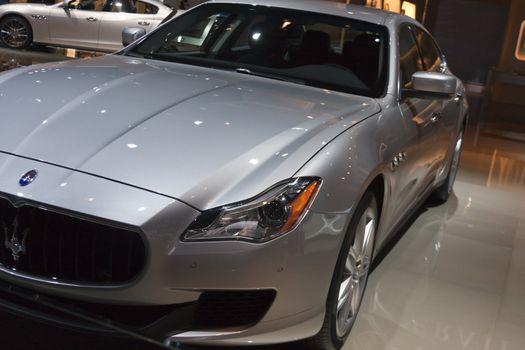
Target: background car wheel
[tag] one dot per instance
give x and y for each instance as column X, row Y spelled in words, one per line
column 443, row 192
column 350, row 277
column 15, row 32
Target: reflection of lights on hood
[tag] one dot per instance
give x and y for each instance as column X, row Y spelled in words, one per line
column 256, row 36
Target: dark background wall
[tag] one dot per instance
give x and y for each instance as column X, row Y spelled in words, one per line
column 471, row 34
column 508, row 61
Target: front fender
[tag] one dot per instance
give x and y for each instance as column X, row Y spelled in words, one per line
column 348, row 165
column 36, row 15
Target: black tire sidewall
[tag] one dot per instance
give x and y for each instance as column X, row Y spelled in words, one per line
column 331, row 307
column 26, row 24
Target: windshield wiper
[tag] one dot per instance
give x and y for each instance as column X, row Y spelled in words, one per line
column 270, row 75
column 160, row 56
column 137, row 55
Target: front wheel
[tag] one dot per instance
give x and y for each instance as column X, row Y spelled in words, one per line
column 350, row 277
column 15, row 32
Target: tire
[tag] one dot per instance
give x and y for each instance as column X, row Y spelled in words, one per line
column 346, row 291
column 442, row 193
column 15, row 32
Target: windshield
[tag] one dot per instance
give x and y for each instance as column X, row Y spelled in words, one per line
column 329, row 52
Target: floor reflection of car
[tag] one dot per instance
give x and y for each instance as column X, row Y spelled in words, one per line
column 228, row 178
column 88, row 24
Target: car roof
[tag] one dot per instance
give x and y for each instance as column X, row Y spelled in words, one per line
column 359, row 12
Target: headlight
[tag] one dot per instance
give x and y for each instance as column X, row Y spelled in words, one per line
column 272, row 214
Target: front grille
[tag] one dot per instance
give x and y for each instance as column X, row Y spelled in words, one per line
column 55, row 246
column 220, row 309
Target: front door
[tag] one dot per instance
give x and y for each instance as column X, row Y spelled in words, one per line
column 446, row 111
column 76, row 26
column 417, row 171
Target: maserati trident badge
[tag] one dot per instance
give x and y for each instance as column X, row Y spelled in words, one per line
column 28, row 177
column 14, row 240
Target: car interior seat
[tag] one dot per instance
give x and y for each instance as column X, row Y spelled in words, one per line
column 313, row 49
column 267, row 46
column 362, row 56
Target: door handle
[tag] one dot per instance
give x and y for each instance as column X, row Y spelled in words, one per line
column 434, row 118
column 458, row 98
column 144, row 23
column 92, row 19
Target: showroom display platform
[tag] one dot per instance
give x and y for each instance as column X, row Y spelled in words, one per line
column 454, row 279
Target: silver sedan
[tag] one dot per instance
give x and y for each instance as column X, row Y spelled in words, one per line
column 228, row 178
column 87, row 24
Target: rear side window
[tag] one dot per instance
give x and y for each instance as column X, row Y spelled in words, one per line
column 144, row 8
column 429, row 51
column 409, row 58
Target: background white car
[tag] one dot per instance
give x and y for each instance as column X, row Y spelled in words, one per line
column 88, row 24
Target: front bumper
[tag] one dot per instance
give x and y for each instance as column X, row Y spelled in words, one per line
column 298, row 266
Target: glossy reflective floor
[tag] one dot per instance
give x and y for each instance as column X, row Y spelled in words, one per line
column 454, row 279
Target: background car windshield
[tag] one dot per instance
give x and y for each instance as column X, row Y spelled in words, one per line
column 329, row 52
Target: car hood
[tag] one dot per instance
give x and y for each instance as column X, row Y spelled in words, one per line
column 204, row 136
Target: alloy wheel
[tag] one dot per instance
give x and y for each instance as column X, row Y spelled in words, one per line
column 355, row 273
column 14, row 33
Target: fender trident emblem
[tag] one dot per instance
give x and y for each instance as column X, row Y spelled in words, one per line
column 15, row 241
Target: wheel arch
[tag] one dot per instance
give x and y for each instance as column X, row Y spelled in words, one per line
column 377, row 187
column 16, row 14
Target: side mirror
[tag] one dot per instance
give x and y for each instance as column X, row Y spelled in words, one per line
column 131, row 34
column 432, row 85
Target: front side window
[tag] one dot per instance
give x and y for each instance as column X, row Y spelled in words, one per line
column 409, row 58
column 325, row 51
column 87, row 5
column 130, row 6
column 429, row 51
